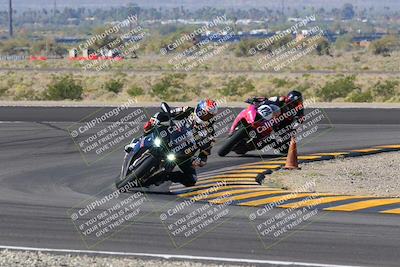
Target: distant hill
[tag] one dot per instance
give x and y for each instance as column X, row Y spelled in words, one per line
column 38, row 4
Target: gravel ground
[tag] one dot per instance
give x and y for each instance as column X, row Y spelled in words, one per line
column 375, row 175
column 38, row 259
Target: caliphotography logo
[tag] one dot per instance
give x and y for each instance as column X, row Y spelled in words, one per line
column 199, row 133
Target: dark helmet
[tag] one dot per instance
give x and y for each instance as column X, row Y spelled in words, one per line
column 295, row 98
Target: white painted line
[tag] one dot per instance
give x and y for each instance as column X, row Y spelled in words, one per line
column 180, row 257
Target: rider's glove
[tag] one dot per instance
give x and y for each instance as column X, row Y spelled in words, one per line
column 198, row 162
column 149, row 125
column 249, row 101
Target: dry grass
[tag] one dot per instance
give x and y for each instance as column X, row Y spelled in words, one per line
column 27, row 85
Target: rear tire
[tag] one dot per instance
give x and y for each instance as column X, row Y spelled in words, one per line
column 140, row 172
column 232, row 141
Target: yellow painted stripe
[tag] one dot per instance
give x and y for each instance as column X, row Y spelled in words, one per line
column 179, row 187
column 392, row 211
column 331, row 154
column 308, row 157
column 255, row 164
column 390, row 146
column 319, row 201
column 228, row 187
column 206, row 181
column 251, row 182
column 272, row 167
column 365, row 150
column 243, row 175
column 239, row 191
column 248, row 195
column 217, row 179
column 365, row 204
column 264, row 201
column 255, row 170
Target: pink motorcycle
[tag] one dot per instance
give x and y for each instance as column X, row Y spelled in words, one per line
column 252, row 130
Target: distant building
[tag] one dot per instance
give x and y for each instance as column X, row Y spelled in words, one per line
column 259, row 31
column 85, row 53
column 73, row 53
column 363, row 43
column 295, row 19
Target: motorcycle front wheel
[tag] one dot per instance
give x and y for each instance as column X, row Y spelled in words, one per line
column 139, row 174
column 232, row 141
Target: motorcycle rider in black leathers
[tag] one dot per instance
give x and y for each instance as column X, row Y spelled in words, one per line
column 291, row 107
column 293, row 101
column 200, row 119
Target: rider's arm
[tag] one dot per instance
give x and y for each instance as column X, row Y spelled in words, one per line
column 177, row 113
column 300, row 114
column 301, row 119
column 256, row 100
column 154, row 120
column 205, row 149
column 181, row 112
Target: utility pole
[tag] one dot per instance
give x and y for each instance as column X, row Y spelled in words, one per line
column 10, row 20
column 54, row 11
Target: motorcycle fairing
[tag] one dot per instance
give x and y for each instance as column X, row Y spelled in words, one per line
column 247, row 115
column 138, row 144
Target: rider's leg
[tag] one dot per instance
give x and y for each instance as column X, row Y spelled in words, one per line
column 187, row 177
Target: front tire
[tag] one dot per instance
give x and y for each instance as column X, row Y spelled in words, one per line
column 232, row 142
column 144, row 169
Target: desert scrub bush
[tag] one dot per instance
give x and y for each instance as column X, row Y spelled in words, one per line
column 135, row 90
column 113, row 85
column 344, row 43
column 63, row 87
column 323, row 47
column 302, row 87
column 3, row 91
column 359, row 96
column 340, row 87
column 23, row 92
column 383, row 91
column 172, row 87
column 279, row 83
column 309, row 67
column 238, row 86
column 385, row 45
column 356, row 58
column 243, row 48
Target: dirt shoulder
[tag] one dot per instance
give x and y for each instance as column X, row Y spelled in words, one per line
column 375, row 175
column 39, row 259
column 118, row 102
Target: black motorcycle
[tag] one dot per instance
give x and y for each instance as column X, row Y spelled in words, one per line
column 150, row 158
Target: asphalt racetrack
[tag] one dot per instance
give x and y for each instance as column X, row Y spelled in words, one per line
column 42, row 175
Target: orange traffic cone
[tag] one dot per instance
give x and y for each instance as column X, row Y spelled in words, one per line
column 291, row 160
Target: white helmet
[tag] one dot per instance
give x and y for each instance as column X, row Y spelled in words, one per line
column 268, row 112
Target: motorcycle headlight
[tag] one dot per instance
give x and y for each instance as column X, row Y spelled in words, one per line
column 171, row 157
column 157, row 142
